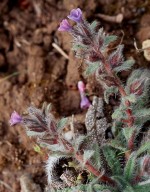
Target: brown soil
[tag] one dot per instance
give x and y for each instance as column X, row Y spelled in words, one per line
column 32, row 71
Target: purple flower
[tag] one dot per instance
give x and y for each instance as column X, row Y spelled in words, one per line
column 15, row 118
column 64, row 26
column 81, row 86
column 85, row 103
column 75, row 15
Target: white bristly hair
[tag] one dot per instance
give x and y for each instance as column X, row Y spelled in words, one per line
column 50, row 165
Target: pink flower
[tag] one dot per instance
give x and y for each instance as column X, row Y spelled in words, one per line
column 64, row 26
column 85, row 103
column 15, row 118
column 75, row 15
column 81, row 86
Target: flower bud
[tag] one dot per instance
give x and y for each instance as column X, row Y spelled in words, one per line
column 15, row 118
column 85, row 103
column 64, row 26
column 81, row 86
column 93, row 57
column 137, row 87
column 75, row 15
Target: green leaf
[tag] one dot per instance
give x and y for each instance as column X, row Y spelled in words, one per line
column 96, row 159
column 130, row 167
column 89, row 188
column 78, row 141
column 122, row 182
column 62, row 123
column 93, row 25
column 117, row 145
column 142, row 112
column 109, row 39
column 145, row 147
column 125, row 66
column 78, row 46
column 100, row 187
column 129, row 189
column 116, row 127
column 112, row 160
column 117, row 114
column 127, row 132
column 35, row 134
column 110, row 90
column 131, row 98
column 54, row 147
column 142, row 188
column 92, row 68
column 37, row 149
column 87, row 155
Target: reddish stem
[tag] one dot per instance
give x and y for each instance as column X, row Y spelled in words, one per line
column 130, row 120
column 94, row 171
column 89, row 167
column 131, row 141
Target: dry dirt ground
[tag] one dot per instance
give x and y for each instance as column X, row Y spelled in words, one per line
column 33, row 71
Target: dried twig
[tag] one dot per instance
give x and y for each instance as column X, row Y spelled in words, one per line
column 59, row 49
column 113, row 19
column 27, row 184
column 9, row 76
column 6, row 185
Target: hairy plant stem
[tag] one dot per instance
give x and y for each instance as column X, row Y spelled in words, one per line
column 94, row 171
column 109, row 71
column 88, row 166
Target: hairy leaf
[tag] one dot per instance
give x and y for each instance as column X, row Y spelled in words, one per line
column 100, row 187
column 110, row 38
column 78, row 141
column 130, row 167
column 112, row 160
column 117, row 144
column 127, row 132
column 142, row 112
column 78, row 46
column 54, row 147
column 130, row 98
column 143, row 148
column 127, row 65
column 110, row 91
column 129, row 188
column 90, row 188
column 35, row 134
column 87, row 155
column 94, row 25
column 142, row 188
column 62, row 123
column 115, row 59
column 96, row 159
column 92, row 68
column 122, row 182
column 118, row 114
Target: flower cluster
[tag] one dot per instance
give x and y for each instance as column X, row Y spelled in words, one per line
column 75, row 15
